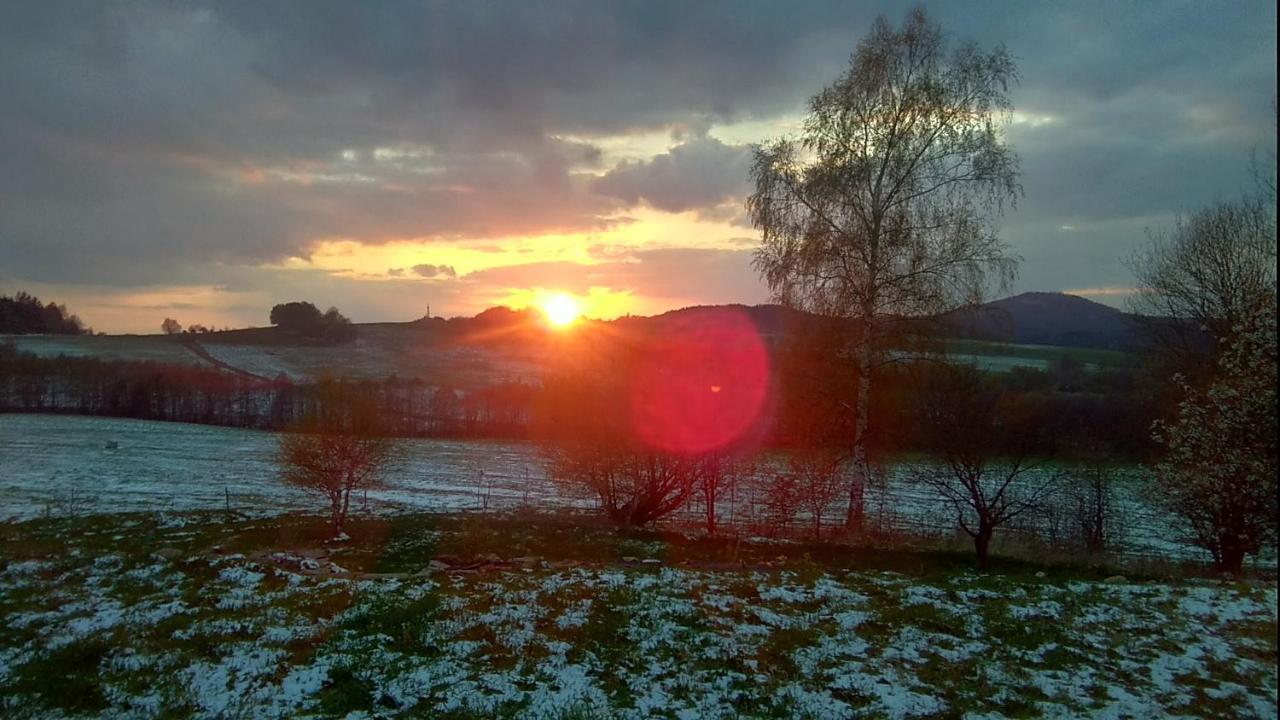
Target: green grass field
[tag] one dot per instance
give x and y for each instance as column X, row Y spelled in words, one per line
column 1046, row 354
column 196, row 616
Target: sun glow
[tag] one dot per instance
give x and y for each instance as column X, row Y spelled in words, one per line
column 561, row 309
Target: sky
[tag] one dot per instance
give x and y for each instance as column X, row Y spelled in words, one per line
column 206, row 160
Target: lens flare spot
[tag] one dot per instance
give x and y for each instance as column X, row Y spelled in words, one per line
column 701, row 384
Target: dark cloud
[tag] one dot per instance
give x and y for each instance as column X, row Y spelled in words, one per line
column 701, row 172
column 167, row 143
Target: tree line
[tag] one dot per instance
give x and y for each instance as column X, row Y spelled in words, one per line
column 1069, row 407
column 23, row 314
column 186, row 393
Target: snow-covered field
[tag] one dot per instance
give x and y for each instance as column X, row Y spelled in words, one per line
column 65, row 465
column 153, row 348
column 376, row 354
column 52, row 465
column 132, row 635
column 180, row 614
column 358, row 359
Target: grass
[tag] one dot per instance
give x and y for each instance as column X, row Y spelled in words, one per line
column 67, row 677
column 399, row 622
column 155, row 348
column 1048, row 353
column 93, row 621
column 406, row 544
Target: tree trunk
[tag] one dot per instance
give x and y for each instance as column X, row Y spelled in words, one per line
column 861, row 467
column 346, row 503
column 711, row 513
column 1231, row 556
column 335, row 514
column 982, row 545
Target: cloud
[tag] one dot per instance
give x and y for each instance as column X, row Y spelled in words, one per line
column 701, row 172
column 1102, row 291
column 435, row 271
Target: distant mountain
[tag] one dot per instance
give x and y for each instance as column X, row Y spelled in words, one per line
column 1033, row 318
column 771, row 321
column 1042, row 318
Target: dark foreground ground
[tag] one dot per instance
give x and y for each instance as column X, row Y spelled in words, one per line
column 471, row 616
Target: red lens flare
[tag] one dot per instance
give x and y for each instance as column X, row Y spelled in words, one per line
column 702, row 384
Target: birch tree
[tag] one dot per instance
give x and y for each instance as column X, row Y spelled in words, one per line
column 884, row 206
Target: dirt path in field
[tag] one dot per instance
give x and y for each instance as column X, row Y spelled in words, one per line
column 190, row 343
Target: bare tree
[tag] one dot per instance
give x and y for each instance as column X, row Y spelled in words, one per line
column 817, row 482
column 780, row 504
column 1213, row 277
column 1218, row 474
column 343, row 447
column 1090, row 508
column 1095, row 511
column 583, row 429
column 809, row 486
column 171, row 326
column 884, row 206
column 634, row 485
column 984, row 473
column 720, row 475
column 1204, row 277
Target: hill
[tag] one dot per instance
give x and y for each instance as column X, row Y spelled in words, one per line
column 1031, row 318
column 1043, row 318
column 501, row 345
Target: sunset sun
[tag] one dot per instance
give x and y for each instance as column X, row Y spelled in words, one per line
column 561, row 310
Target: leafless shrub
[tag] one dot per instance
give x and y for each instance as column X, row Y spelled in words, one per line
column 590, row 449
column 719, row 480
column 342, row 448
column 1098, row 517
column 984, row 472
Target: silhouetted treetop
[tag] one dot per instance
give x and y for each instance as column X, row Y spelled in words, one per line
column 304, row 318
column 295, row 316
column 24, row 314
